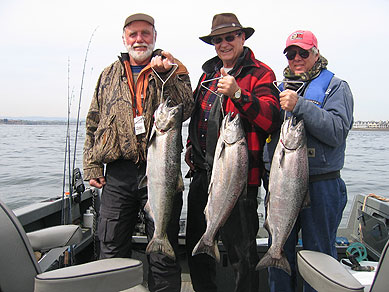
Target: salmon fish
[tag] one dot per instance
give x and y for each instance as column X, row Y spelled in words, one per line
column 228, row 182
column 163, row 173
column 288, row 191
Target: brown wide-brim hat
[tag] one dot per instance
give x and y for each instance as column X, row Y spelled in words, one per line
column 224, row 23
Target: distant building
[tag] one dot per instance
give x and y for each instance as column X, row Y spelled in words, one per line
column 371, row 125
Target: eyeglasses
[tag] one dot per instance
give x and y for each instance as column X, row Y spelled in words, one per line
column 291, row 54
column 230, row 38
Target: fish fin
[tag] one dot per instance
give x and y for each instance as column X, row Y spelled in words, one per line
column 206, row 211
column 210, row 187
column 211, row 250
column 266, row 226
column 267, row 199
column 307, row 201
column 282, row 155
column 161, row 245
column 267, row 261
column 152, row 135
column 223, row 145
column 143, row 182
column 180, row 182
column 147, row 209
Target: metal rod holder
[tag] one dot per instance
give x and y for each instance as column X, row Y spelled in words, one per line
column 164, row 82
column 221, row 96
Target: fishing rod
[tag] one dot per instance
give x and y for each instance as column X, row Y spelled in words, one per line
column 67, row 150
column 77, row 181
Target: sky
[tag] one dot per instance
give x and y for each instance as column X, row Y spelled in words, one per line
column 44, row 45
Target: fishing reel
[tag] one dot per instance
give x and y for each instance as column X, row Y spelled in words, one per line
column 78, row 184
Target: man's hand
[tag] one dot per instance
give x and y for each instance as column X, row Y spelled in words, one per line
column 288, row 99
column 160, row 64
column 227, row 84
column 97, row 182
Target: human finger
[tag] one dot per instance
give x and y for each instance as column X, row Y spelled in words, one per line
column 168, row 56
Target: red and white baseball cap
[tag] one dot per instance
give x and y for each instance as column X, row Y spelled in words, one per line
column 304, row 39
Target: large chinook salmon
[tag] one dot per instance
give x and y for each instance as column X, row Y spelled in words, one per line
column 228, row 182
column 288, row 191
column 163, row 173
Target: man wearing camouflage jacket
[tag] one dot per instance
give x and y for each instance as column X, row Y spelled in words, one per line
column 118, row 125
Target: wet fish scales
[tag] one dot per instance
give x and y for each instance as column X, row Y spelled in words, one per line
column 163, row 173
column 288, row 191
column 228, row 182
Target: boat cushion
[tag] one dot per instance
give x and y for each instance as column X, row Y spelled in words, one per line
column 56, row 236
column 324, row 273
column 105, row 275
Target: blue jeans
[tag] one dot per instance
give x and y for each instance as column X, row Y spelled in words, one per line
column 319, row 224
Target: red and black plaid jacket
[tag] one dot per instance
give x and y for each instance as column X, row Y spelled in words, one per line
column 258, row 106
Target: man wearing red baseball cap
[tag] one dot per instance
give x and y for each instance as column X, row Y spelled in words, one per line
column 325, row 103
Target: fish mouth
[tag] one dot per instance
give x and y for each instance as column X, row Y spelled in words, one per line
column 228, row 119
column 167, row 116
column 292, row 134
column 231, row 128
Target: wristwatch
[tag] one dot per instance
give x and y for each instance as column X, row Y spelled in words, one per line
column 237, row 94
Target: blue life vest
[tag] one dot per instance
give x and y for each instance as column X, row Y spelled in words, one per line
column 317, row 88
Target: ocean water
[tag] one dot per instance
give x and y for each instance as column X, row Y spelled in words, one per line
column 32, row 163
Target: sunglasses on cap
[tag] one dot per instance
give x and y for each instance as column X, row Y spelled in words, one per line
column 291, row 54
column 230, row 38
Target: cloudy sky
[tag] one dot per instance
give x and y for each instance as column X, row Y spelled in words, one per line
column 44, row 44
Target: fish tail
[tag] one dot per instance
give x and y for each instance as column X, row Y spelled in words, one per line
column 268, row 261
column 161, row 245
column 211, row 250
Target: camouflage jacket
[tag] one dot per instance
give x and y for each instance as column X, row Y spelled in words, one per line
column 110, row 133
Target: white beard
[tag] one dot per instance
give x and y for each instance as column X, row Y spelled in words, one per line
column 140, row 56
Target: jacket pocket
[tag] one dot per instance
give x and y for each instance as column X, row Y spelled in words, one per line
column 106, row 147
column 316, row 154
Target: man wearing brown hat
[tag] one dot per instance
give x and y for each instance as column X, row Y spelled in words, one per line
column 245, row 86
column 118, row 127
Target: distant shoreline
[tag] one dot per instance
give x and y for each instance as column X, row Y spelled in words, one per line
column 37, row 122
column 58, row 122
column 370, row 129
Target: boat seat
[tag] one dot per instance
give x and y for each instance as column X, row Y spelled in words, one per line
column 21, row 272
column 324, row 273
column 53, row 237
column 93, row 276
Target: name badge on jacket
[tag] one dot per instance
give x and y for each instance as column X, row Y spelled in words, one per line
column 139, row 125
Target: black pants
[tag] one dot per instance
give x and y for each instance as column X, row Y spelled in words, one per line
column 238, row 236
column 121, row 202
